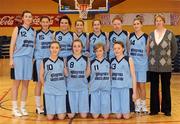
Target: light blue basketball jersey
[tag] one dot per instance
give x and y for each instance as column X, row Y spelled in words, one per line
column 43, row 41
column 65, row 41
column 77, row 80
column 138, row 51
column 113, row 36
column 54, row 76
column 24, row 42
column 83, row 38
column 93, row 40
column 100, row 75
column 121, row 75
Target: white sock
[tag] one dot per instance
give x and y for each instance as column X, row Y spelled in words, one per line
column 138, row 101
column 14, row 105
column 38, row 101
column 143, row 102
column 23, row 104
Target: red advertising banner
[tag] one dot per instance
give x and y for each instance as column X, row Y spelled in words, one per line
column 12, row 20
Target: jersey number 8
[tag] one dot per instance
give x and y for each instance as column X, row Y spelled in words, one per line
column 71, row 65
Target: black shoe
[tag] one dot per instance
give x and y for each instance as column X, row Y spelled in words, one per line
column 39, row 112
column 167, row 114
column 153, row 113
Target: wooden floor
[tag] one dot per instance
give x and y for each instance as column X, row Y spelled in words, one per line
column 6, row 117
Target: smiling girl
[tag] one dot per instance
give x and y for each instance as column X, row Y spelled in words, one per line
column 139, row 52
column 21, row 55
column 77, row 84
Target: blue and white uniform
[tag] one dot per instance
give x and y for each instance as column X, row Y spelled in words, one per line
column 100, row 86
column 77, row 84
column 113, row 36
column 93, row 40
column 139, row 55
column 84, row 38
column 65, row 41
column 43, row 40
column 121, row 82
column 54, row 86
column 23, row 53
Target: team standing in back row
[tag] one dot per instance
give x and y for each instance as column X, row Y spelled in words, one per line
column 95, row 72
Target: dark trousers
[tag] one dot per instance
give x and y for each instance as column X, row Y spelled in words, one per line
column 132, row 106
column 154, row 92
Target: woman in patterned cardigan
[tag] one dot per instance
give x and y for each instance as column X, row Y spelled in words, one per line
column 162, row 48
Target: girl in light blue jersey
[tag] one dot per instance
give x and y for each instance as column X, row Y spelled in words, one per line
column 77, row 84
column 52, row 76
column 118, row 34
column 43, row 39
column 100, row 84
column 97, row 36
column 64, row 36
column 21, row 55
column 83, row 36
column 138, row 51
column 123, row 77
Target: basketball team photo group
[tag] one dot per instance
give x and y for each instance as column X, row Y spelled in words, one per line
column 90, row 61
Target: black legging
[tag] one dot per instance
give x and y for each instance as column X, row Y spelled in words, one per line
column 154, row 93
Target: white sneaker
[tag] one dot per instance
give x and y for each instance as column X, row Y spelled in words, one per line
column 39, row 111
column 138, row 106
column 143, row 106
column 24, row 112
column 16, row 113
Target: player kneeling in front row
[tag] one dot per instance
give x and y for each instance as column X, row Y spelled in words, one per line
column 100, row 84
column 52, row 72
column 77, row 84
column 123, row 78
